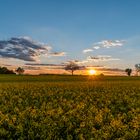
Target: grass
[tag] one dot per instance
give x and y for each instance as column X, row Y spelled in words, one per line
column 69, row 107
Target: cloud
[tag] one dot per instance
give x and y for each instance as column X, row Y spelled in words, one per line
column 91, row 58
column 42, row 64
column 108, row 44
column 45, row 66
column 87, row 50
column 31, row 68
column 96, row 47
column 112, row 69
column 57, row 54
column 23, row 48
column 101, row 58
column 82, row 62
column 79, row 62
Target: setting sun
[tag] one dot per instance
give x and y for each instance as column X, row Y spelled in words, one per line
column 92, row 72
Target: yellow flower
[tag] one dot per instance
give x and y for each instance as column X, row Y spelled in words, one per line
column 99, row 117
column 116, row 123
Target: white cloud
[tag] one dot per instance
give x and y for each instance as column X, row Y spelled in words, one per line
column 87, row 50
column 108, row 44
column 79, row 62
column 101, row 58
column 96, row 47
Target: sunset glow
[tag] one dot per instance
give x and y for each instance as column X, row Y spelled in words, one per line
column 92, row 72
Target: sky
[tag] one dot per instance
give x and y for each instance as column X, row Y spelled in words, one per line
column 100, row 33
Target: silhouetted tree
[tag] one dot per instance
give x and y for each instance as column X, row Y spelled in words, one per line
column 19, row 70
column 137, row 66
column 101, row 75
column 4, row 70
column 128, row 71
column 72, row 67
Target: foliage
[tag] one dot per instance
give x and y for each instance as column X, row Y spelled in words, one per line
column 128, row 71
column 72, row 67
column 4, row 70
column 19, row 70
column 69, row 107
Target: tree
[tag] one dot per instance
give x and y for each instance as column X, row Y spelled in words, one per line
column 19, row 70
column 128, row 71
column 4, row 70
column 137, row 66
column 72, row 67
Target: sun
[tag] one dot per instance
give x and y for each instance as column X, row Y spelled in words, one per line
column 92, row 72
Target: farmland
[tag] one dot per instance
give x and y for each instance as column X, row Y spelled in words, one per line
column 69, row 107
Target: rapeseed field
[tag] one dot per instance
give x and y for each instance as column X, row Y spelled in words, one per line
column 53, row 107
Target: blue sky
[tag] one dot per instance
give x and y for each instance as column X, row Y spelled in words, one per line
column 73, row 26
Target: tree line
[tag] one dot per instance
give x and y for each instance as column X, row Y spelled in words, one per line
column 5, row 70
column 129, row 70
column 71, row 67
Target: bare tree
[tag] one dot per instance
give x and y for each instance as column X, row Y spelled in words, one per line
column 128, row 71
column 137, row 66
column 19, row 70
column 71, row 67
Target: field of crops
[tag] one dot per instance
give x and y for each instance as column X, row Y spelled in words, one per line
column 69, row 107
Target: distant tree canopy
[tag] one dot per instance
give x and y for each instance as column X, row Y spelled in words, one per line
column 71, row 67
column 4, row 70
column 19, row 70
column 128, row 71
